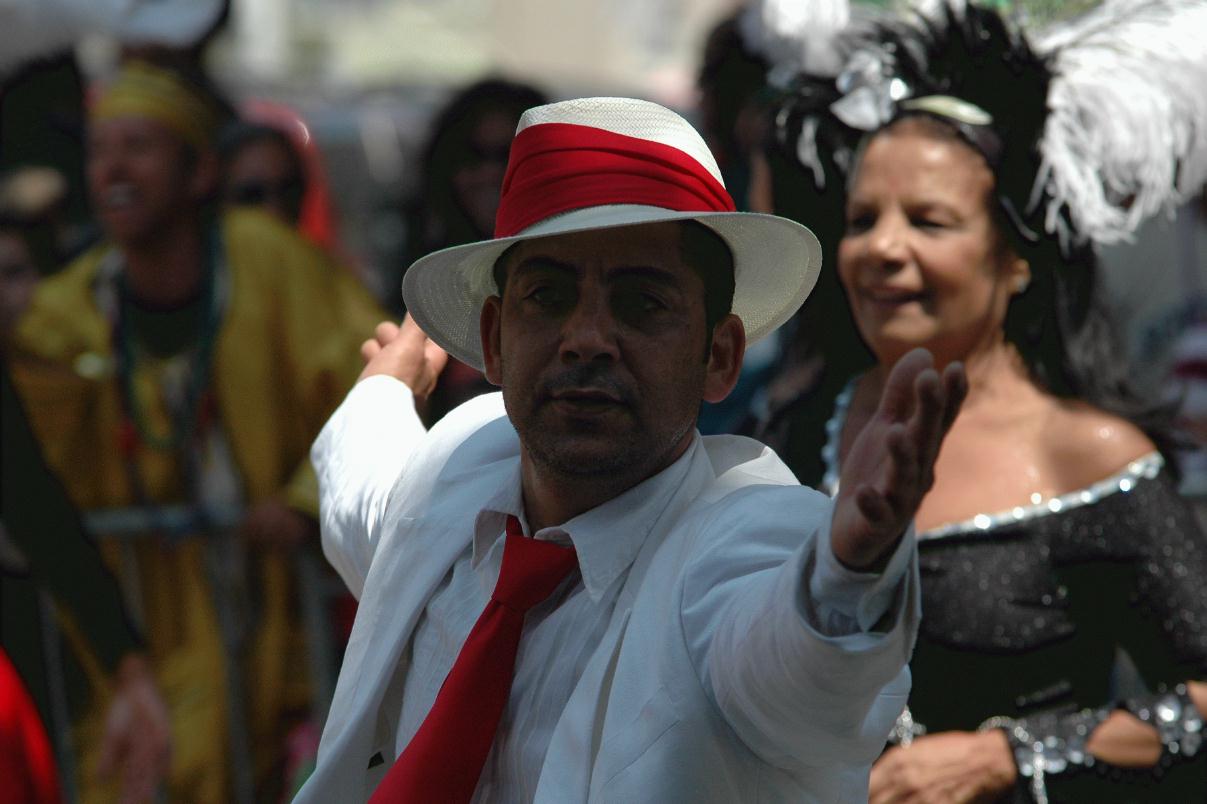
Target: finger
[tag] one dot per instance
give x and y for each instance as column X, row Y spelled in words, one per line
column 926, row 424
column 903, row 452
column 386, row 332
column 955, row 389
column 369, row 349
column 873, row 506
column 435, row 356
column 897, row 399
column 411, row 333
column 901, row 483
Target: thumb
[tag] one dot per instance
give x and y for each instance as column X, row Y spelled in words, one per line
column 436, row 357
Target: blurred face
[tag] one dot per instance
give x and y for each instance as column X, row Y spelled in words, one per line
column 18, row 279
column 479, row 181
column 921, row 260
column 596, row 343
column 263, row 175
column 142, row 178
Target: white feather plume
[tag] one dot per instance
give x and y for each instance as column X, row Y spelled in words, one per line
column 1127, row 133
column 796, row 36
column 30, row 30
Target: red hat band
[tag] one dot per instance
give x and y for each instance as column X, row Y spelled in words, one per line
column 559, row 167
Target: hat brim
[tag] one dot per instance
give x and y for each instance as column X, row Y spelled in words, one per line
column 776, row 265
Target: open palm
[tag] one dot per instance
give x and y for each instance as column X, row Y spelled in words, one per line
column 890, row 465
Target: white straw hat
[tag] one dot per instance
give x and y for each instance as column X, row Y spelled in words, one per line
column 597, row 163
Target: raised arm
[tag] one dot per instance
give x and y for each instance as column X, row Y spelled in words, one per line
column 369, row 440
column 806, row 657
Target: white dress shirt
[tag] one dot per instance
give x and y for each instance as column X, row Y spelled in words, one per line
column 561, row 634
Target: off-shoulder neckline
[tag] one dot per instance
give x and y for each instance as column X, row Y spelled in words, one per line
column 1123, row 481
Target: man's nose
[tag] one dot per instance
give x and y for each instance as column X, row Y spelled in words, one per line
column 589, row 332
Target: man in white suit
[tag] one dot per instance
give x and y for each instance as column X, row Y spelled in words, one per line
column 705, row 628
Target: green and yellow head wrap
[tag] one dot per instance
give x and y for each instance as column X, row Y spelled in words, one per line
column 143, row 90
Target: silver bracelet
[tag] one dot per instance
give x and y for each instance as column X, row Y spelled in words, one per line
column 905, row 729
column 1048, row 744
column 1176, row 719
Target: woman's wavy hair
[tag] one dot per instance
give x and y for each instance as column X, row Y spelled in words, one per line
column 1062, row 325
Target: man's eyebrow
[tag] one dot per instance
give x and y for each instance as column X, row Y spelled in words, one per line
column 538, row 262
column 653, row 273
column 660, row 275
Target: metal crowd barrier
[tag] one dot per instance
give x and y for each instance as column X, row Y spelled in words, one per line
column 226, row 559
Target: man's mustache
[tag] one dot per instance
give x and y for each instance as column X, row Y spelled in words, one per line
column 585, row 376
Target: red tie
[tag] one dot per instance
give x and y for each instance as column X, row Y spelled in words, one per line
column 445, row 757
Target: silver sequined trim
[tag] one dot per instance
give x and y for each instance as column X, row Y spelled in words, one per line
column 1146, row 466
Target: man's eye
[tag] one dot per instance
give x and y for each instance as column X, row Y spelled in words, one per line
column 545, row 295
column 650, row 302
column 638, row 304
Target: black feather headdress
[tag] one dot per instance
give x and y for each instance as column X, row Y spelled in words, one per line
column 1097, row 124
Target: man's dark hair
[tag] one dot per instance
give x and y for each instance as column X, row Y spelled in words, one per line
column 710, row 256
column 703, row 249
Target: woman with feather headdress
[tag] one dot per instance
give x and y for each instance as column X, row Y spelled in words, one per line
column 981, row 172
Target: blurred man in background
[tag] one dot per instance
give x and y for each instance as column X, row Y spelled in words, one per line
column 179, row 370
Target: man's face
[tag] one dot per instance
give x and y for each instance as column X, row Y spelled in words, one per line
column 141, row 175
column 597, row 345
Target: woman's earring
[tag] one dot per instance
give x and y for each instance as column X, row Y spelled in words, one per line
column 1021, row 283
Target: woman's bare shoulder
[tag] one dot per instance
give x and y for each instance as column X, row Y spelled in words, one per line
column 1087, row 444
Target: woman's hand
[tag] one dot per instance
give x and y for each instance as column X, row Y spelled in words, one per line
column 948, row 768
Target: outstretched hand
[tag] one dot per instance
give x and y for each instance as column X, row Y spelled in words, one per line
column 890, row 465
column 405, row 353
column 137, row 739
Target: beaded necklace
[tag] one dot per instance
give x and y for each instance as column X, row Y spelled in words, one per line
column 190, row 407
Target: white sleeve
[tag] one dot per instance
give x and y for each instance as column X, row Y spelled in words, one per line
column 796, row 677
column 841, row 601
column 358, row 456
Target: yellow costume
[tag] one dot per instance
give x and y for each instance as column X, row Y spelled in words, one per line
column 285, row 352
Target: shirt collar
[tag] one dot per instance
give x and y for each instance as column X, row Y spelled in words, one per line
column 608, row 537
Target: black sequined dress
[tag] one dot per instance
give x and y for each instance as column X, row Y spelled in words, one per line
column 1023, row 612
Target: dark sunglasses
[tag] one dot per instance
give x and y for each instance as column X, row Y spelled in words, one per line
column 254, row 193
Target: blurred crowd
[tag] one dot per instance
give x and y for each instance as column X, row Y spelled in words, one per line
column 178, row 319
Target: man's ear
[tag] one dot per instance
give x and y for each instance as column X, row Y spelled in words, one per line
column 724, row 358
column 489, row 323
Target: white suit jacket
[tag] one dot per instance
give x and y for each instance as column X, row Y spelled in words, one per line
column 711, row 683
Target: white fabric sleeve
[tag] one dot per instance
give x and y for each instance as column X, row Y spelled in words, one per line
column 358, row 456
column 841, row 601
column 796, row 676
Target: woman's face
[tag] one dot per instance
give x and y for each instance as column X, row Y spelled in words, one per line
column 921, row 259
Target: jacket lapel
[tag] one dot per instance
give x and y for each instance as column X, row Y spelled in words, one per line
column 396, row 590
